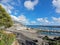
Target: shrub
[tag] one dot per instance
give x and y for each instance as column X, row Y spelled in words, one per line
column 6, row 39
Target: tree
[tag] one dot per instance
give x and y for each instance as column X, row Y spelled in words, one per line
column 5, row 19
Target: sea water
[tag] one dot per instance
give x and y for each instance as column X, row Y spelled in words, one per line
column 46, row 28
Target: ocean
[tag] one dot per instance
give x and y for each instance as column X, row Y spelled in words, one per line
column 57, row 28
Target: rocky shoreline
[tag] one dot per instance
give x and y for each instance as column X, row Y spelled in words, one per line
column 27, row 35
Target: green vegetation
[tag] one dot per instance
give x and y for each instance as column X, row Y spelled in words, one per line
column 5, row 19
column 46, row 38
column 55, row 41
column 6, row 22
column 6, row 38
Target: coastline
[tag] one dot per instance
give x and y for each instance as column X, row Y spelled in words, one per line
column 33, row 31
column 28, row 34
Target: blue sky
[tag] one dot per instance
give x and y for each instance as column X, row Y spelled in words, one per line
column 33, row 12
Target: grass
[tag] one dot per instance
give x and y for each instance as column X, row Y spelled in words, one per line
column 6, row 38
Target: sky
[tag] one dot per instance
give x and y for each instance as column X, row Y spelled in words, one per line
column 33, row 12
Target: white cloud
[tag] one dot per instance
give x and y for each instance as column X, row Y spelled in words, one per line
column 43, row 21
column 23, row 19
column 57, row 20
column 30, row 5
column 8, row 7
column 40, row 21
column 56, row 4
column 20, row 18
column 5, row 1
column 6, row 4
column 53, row 21
column 14, row 18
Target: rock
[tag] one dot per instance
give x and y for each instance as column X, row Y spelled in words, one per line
column 15, row 43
